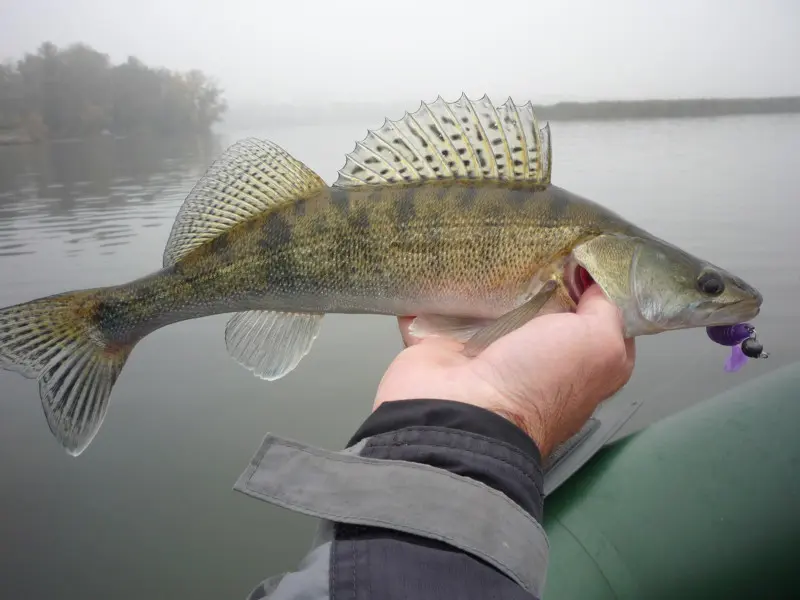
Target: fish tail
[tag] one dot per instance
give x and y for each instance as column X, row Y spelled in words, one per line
column 59, row 341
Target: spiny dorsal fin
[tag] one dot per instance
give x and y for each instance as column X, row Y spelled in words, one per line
column 464, row 139
column 251, row 177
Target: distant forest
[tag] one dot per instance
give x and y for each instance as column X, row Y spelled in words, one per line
column 77, row 92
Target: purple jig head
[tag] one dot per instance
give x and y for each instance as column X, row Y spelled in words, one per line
column 742, row 338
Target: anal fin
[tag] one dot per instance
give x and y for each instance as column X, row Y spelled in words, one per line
column 269, row 343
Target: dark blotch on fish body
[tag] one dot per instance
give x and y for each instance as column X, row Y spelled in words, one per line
column 106, row 315
column 406, row 210
column 466, row 197
column 358, row 219
column 558, row 204
column 276, row 232
column 518, row 198
column 340, row 201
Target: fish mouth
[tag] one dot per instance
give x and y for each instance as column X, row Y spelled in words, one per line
column 740, row 311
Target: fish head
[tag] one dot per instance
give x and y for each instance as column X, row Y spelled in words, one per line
column 659, row 287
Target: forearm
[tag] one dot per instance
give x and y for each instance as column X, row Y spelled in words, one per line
column 431, row 499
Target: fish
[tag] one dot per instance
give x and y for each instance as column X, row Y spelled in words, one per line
column 447, row 214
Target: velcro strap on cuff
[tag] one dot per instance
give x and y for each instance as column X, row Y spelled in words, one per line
column 410, row 497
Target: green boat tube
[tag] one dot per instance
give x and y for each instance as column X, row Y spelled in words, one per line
column 703, row 504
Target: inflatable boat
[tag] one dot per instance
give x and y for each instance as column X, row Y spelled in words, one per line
column 702, row 504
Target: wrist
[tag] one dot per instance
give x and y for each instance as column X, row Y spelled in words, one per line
column 530, row 424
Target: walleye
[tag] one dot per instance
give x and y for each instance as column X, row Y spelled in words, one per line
column 447, row 214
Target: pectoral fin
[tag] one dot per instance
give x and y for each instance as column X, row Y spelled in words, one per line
column 457, row 328
column 510, row 321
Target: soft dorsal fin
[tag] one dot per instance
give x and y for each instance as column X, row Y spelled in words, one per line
column 453, row 140
column 251, row 177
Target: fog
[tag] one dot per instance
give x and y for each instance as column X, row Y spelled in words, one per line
column 312, row 52
column 99, row 151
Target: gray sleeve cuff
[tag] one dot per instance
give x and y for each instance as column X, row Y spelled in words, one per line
column 404, row 496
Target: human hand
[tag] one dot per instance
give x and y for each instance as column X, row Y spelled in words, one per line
column 546, row 377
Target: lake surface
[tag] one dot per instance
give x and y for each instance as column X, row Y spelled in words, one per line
column 148, row 510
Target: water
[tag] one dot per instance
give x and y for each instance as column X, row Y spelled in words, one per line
column 148, row 510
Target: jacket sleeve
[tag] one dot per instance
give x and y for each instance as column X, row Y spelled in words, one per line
column 431, row 499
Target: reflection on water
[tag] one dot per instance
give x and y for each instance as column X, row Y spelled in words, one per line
column 103, row 189
column 147, row 510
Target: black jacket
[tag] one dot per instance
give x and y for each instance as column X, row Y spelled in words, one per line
column 431, row 500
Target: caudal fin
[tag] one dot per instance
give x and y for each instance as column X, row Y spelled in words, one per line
column 57, row 341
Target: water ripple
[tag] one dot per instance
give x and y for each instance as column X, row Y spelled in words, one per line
column 83, row 200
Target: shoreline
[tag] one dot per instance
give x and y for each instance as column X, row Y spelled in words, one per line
column 285, row 115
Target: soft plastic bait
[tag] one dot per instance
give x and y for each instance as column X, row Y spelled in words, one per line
column 743, row 341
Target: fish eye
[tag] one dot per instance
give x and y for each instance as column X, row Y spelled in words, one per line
column 710, row 283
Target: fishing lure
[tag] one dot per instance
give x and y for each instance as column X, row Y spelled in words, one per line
column 743, row 341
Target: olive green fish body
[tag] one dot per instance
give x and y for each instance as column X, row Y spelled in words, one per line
column 453, row 249
column 448, row 215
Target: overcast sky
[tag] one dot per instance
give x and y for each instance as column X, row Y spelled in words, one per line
column 374, row 50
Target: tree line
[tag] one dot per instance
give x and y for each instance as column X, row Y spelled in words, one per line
column 669, row 109
column 76, row 92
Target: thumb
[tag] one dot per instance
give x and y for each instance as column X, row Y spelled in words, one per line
column 595, row 303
